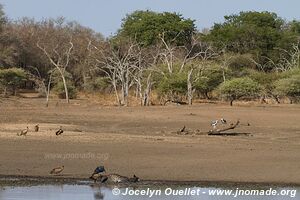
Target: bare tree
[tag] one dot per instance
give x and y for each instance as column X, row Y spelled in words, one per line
column 185, row 56
column 58, row 49
column 119, row 64
column 42, row 83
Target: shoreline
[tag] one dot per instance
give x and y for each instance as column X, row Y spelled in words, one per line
column 27, row 180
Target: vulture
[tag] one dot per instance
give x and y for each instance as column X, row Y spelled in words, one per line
column 36, row 128
column 57, row 170
column 214, row 123
column 59, row 131
column 223, row 121
column 24, row 132
column 99, row 169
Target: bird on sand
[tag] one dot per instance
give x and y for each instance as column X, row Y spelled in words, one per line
column 97, row 174
column 183, row 129
column 36, row 128
column 57, row 170
column 24, row 132
column 223, row 121
column 99, row 169
column 214, row 123
column 59, row 131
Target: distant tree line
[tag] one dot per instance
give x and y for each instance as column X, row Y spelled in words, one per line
column 154, row 57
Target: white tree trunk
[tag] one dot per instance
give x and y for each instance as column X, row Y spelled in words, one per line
column 146, row 97
column 190, row 87
column 65, row 85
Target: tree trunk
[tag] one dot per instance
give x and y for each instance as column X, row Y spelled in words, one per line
column 190, row 87
column 263, row 99
column 147, row 92
column 206, row 95
column 66, row 88
column 116, row 92
column 47, row 90
column 124, row 100
column 223, row 74
column 5, row 91
column 231, row 102
column 277, row 99
column 14, row 91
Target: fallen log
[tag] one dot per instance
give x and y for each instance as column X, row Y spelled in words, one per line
column 216, row 132
column 220, row 131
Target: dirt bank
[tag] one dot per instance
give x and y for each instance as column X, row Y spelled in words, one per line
column 142, row 141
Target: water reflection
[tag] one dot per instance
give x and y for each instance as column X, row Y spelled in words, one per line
column 97, row 192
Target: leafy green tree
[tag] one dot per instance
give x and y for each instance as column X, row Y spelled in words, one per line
column 294, row 26
column 238, row 88
column 147, row 26
column 257, row 33
column 266, row 81
column 173, row 86
column 248, row 31
column 289, row 87
column 8, row 43
column 3, row 18
column 209, row 80
column 11, row 79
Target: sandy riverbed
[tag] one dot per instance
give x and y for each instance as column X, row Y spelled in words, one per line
column 142, row 141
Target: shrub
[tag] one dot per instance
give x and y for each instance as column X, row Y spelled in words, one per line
column 289, row 87
column 266, row 80
column 11, row 79
column 173, row 85
column 60, row 90
column 97, row 84
column 209, row 80
column 238, row 88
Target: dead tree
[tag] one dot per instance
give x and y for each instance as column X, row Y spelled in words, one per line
column 201, row 51
column 60, row 63
column 119, row 65
column 44, row 84
column 55, row 42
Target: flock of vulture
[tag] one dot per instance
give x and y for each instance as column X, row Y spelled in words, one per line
column 37, row 128
column 98, row 174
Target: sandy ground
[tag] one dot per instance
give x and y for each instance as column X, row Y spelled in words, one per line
column 141, row 141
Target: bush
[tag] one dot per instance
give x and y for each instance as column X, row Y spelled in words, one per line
column 209, row 80
column 98, row 84
column 11, row 79
column 266, row 80
column 173, row 85
column 240, row 61
column 60, row 90
column 238, row 88
column 289, row 87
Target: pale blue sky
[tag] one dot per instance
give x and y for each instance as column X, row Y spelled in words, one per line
column 105, row 16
